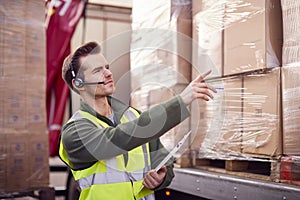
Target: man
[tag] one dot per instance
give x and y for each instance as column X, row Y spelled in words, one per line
column 111, row 147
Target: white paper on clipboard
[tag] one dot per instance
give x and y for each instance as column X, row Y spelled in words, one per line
column 172, row 153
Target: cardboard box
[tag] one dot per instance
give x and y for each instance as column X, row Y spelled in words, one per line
column 243, row 121
column 161, row 94
column 161, row 42
column 290, row 55
column 13, row 37
column 199, row 124
column 24, row 162
column 291, row 110
column 13, row 46
column 207, row 46
column 14, row 104
column 17, row 29
column 218, row 133
column 231, row 127
column 3, row 161
column 35, row 100
column 252, row 35
column 2, row 29
column 2, row 89
column 23, row 47
column 34, row 12
column 23, row 155
column 39, row 161
column 10, row 8
column 291, row 23
column 150, row 96
column 35, row 35
column 262, row 133
column 18, row 162
column 35, row 50
column 196, row 6
column 139, row 99
column 291, row 35
column 173, row 136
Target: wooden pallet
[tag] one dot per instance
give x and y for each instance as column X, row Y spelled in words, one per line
column 267, row 169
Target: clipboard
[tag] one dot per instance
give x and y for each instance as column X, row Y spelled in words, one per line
column 172, row 153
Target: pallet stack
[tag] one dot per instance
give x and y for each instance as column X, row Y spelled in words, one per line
column 290, row 161
column 23, row 132
column 161, row 56
column 251, row 126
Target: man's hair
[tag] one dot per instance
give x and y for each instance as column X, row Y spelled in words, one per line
column 71, row 66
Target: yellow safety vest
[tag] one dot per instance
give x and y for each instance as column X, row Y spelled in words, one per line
column 111, row 179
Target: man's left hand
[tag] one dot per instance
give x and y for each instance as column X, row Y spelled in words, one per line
column 153, row 179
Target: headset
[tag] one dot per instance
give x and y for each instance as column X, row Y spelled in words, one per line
column 78, row 82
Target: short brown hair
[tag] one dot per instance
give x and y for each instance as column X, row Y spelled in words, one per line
column 72, row 64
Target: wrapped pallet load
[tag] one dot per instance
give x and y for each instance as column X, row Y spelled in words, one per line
column 232, row 37
column 291, row 77
column 23, row 132
column 291, row 35
column 161, row 55
column 290, row 162
column 241, row 41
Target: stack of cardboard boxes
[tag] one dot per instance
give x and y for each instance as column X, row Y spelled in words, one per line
column 251, row 46
column 290, row 162
column 161, row 45
column 244, row 52
column 23, row 135
column 291, row 77
column 161, row 55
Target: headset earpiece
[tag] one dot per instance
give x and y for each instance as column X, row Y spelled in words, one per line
column 78, row 82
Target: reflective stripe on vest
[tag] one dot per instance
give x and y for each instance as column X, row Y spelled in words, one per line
column 114, row 170
column 109, row 177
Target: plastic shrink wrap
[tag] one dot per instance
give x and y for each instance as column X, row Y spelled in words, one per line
column 291, row 77
column 23, row 131
column 254, row 114
column 161, row 56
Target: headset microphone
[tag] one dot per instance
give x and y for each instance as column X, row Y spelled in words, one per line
column 78, row 82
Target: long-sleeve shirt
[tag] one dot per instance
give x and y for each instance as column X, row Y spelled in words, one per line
column 86, row 144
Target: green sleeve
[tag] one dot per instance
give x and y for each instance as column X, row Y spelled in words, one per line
column 85, row 143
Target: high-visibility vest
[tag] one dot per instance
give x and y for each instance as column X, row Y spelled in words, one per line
column 111, row 179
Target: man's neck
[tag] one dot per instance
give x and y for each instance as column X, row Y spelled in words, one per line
column 100, row 105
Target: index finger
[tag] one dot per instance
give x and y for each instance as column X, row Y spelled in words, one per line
column 201, row 77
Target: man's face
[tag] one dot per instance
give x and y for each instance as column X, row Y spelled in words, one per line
column 97, row 70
